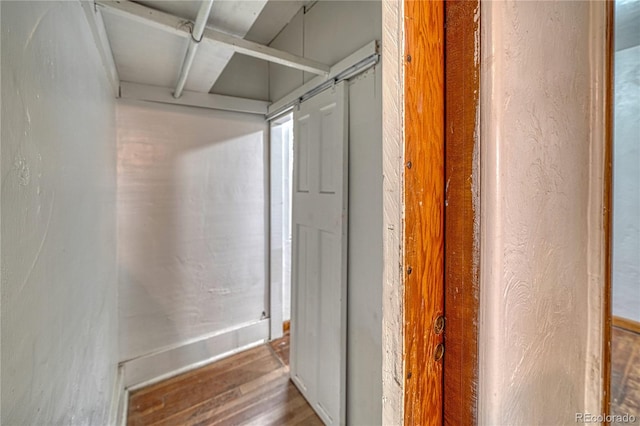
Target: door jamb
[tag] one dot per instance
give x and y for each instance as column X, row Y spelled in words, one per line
column 275, row 285
column 413, row 210
column 462, row 211
column 461, row 394
column 424, row 200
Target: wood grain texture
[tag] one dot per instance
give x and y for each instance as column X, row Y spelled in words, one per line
column 424, row 209
column 607, row 216
column 251, row 387
column 625, row 373
column 461, row 304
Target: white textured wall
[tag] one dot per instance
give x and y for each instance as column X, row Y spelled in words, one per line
column 541, row 196
column 59, row 338
column 329, row 32
column 626, row 185
column 191, row 224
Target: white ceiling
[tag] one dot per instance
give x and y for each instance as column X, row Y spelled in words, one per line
column 144, row 54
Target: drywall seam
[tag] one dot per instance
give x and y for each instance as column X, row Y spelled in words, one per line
column 392, row 163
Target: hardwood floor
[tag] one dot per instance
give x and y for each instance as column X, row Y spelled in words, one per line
column 625, row 373
column 253, row 388
column 249, row 388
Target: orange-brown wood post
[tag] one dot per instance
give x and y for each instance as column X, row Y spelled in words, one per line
column 424, row 211
column 462, row 259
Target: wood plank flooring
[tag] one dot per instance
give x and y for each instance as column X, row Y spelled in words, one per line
column 625, row 373
column 249, row 388
column 253, row 388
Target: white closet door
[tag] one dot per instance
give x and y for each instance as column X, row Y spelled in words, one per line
column 319, row 250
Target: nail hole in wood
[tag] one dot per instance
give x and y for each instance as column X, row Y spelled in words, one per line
column 438, row 324
column 439, row 353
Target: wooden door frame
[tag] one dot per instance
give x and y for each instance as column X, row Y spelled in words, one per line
column 424, row 201
column 414, row 198
column 414, row 296
column 417, row 388
column 462, row 224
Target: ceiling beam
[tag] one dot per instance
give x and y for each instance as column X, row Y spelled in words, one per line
column 266, row 53
column 194, row 42
column 163, row 95
column 180, row 26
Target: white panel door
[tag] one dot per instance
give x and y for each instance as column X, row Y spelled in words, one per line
column 319, row 250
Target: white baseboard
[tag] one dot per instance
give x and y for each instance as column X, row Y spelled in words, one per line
column 119, row 399
column 124, row 408
column 152, row 368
